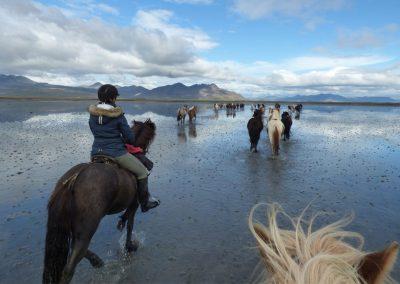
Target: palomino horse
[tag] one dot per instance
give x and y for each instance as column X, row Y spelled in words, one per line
column 82, row 197
column 302, row 255
column 192, row 113
column 181, row 114
column 275, row 129
column 254, row 127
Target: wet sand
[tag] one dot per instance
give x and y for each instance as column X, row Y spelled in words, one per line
column 343, row 159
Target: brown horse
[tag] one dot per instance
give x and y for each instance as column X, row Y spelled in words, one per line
column 192, row 113
column 254, row 127
column 82, row 197
column 302, row 255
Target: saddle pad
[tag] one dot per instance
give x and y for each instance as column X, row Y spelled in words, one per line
column 103, row 159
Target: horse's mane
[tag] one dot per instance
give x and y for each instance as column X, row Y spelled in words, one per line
column 301, row 255
column 275, row 114
column 144, row 133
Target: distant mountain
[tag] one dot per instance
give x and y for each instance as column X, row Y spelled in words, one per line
column 337, row 98
column 95, row 85
column 198, row 91
column 19, row 86
column 132, row 91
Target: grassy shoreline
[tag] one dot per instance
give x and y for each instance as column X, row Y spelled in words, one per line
column 394, row 104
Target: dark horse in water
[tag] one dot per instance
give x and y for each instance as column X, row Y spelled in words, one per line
column 287, row 121
column 254, row 127
column 82, row 197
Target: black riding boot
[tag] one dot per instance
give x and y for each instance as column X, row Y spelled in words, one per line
column 144, row 196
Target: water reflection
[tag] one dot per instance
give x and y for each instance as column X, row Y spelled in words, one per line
column 192, row 130
column 182, row 138
column 230, row 112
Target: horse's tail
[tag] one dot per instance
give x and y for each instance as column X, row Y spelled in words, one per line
column 275, row 139
column 58, row 234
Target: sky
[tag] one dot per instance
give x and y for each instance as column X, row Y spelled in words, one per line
column 258, row 48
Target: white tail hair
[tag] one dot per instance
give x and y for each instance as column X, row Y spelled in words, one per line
column 304, row 256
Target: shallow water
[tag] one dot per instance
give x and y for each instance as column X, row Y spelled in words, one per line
column 343, row 159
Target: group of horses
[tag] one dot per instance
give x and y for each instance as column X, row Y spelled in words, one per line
column 277, row 126
column 229, row 106
column 300, row 254
column 185, row 110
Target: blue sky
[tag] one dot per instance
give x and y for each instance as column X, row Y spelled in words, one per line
column 258, row 48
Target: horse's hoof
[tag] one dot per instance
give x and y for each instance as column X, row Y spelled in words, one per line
column 121, row 225
column 132, row 246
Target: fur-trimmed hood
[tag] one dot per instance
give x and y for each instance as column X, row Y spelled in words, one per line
column 100, row 111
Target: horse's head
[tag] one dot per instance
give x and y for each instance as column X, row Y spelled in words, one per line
column 144, row 133
column 257, row 113
column 301, row 255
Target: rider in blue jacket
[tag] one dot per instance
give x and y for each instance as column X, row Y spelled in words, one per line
column 111, row 132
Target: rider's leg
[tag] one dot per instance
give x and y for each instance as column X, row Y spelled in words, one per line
column 134, row 165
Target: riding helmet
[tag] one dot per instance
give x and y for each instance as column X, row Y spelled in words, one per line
column 107, row 93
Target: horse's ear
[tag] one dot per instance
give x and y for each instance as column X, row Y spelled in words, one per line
column 375, row 266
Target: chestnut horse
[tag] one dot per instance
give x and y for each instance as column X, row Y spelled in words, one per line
column 192, row 113
column 303, row 255
column 82, row 197
column 181, row 114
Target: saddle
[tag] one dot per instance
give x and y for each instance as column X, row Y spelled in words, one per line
column 104, row 159
column 111, row 161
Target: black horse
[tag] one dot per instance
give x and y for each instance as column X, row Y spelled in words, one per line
column 254, row 127
column 82, row 197
column 287, row 121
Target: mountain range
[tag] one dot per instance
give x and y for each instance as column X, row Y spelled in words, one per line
column 337, row 98
column 13, row 86
column 20, row 86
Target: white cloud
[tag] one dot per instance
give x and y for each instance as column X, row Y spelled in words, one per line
column 40, row 38
column 44, row 43
column 88, row 7
column 309, row 11
column 366, row 37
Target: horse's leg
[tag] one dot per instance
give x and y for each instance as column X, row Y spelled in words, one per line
column 129, row 244
column 94, row 259
column 79, row 249
column 122, row 220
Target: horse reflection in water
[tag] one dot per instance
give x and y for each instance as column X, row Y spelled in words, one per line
column 301, row 254
column 181, row 133
column 192, row 130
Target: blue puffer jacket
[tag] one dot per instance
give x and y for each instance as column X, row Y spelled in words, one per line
column 110, row 130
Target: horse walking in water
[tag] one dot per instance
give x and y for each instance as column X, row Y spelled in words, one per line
column 254, row 127
column 275, row 129
column 82, row 197
column 192, row 113
column 298, row 108
column 181, row 114
column 287, row 122
column 302, row 255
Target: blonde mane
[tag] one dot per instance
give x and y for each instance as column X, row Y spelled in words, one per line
column 274, row 114
column 304, row 256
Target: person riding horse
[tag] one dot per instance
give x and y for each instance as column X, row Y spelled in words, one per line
column 111, row 132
